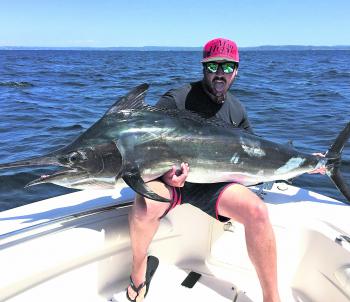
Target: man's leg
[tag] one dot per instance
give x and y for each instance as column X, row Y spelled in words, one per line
column 144, row 223
column 239, row 203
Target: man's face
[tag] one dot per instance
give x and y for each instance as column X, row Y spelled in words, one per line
column 217, row 81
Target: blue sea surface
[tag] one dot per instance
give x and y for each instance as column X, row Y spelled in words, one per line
column 47, row 98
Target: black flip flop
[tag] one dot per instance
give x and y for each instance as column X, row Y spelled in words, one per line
column 152, row 265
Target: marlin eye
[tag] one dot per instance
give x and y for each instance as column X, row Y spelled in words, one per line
column 74, row 157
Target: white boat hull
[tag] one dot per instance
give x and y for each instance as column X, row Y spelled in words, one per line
column 76, row 247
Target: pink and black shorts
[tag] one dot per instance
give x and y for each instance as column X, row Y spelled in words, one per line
column 205, row 197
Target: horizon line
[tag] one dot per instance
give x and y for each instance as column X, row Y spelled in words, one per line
column 181, row 47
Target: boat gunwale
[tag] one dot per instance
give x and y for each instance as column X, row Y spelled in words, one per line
column 20, row 235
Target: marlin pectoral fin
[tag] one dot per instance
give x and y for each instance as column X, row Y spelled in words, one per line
column 134, row 181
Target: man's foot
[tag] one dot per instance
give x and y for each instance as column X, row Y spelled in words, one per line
column 137, row 292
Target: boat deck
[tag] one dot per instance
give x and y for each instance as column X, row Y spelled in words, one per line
column 166, row 286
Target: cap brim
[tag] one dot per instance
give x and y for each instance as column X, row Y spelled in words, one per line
column 218, row 59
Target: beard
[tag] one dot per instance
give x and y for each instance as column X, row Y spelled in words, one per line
column 216, row 89
column 218, row 86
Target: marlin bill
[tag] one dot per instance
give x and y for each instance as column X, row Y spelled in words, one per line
column 138, row 143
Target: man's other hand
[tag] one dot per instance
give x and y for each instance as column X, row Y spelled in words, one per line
column 320, row 170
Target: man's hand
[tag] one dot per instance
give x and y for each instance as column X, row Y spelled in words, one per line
column 176, row 177
column 321, row 170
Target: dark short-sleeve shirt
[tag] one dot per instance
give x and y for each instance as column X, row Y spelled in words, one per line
column 193, row 97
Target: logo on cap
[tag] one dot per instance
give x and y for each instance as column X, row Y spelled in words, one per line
column 220, row 50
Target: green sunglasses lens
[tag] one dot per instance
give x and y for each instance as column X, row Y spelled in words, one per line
column 212, row 67
column 228, row 67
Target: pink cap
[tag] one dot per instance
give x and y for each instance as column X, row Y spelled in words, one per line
column 220, row 50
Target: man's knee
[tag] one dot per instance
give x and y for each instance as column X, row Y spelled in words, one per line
column 258, row 211
column 148, row 209
column 239, row 202
column 256, row 208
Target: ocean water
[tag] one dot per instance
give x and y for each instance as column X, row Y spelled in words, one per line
column 47, row 98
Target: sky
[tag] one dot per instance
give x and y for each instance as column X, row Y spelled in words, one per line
column 137, row 23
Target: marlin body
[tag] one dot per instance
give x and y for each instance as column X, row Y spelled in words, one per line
column 139, row 143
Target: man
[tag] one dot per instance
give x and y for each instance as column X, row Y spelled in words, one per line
column 209, row 97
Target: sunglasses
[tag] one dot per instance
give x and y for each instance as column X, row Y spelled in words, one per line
column 227, row 67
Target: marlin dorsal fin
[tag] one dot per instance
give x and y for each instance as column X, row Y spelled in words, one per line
column 134, row 99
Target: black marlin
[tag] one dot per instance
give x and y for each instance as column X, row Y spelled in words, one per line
column 139, row 143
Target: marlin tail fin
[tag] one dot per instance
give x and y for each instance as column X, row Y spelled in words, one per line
column 333, row 157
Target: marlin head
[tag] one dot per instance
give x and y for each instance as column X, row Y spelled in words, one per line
column 91, row 159
column 88, row 167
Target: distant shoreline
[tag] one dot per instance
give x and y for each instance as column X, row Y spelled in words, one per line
column 166, row 48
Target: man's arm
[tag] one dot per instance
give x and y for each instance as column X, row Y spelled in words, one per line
column 245, row 124
column 239, row 114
